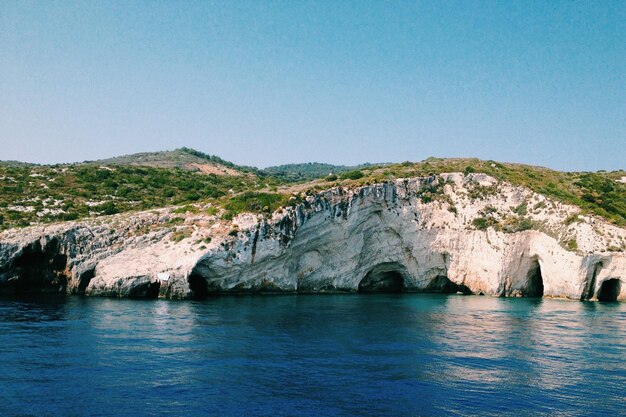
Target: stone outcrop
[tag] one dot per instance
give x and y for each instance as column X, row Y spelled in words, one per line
column 449, row 233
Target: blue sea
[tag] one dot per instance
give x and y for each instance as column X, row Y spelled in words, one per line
column 313, row 355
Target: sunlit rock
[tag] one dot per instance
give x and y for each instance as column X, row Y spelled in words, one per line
column 448, row 233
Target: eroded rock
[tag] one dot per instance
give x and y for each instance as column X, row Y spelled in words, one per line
column 410, row 235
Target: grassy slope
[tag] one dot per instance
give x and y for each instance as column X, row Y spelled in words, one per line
column 54, row 193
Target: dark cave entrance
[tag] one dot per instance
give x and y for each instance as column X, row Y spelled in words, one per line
column 198, row 286
column 149, row 290
column 609, row 290
column 40, row 269
column 84, row 279
column 383, row 278
column 442, row 284
column 534, row 281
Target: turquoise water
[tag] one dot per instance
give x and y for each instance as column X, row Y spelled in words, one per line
column 343, row 355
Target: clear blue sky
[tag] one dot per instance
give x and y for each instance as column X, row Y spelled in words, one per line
column 271, row 82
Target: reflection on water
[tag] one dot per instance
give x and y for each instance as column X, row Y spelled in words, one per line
column 312, row 355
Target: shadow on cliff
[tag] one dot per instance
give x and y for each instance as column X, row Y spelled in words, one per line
column 38, row 269
column 391, row 277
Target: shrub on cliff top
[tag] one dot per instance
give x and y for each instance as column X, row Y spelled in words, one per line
column 352, row 175
column 481, row 223
column 517, row 224
column 255, row 202
column 571, row 245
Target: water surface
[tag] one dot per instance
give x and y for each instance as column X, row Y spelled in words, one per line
column 361, row 355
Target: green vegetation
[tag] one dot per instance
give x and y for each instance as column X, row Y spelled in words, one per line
column 482, row 223
column 181, row 234
column 36, row 194
column 216, row 159
column 522, row 209
column 311, row 171
column 516, row 224
column 183, row 158
column 255, row 202
column 43, row 194
column 480, row 192
column 572, row 245
column 352, row 175
column 572, row 218
column 176, row 220
column 435, row 192
column 510, row 224
column 186, row 209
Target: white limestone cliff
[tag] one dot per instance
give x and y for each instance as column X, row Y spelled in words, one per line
column 418, row 234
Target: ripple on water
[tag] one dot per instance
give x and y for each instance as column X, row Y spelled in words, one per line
column 312, row 355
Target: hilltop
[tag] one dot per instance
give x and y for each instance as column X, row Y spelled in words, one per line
column 182, row 158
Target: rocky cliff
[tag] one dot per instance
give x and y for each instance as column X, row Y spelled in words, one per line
column 444, row 233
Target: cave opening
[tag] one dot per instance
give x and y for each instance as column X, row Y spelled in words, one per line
column 534, row 281
column 84, row 280
column 442, row 284
column 40, row 269
column 198, row 286
column 609, row 290
column 148, row 290
column 384, row 278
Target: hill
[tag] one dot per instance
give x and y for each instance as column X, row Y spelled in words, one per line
column 41, row 194
column 183, row 158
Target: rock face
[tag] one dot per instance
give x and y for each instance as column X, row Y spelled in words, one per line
column 447, row 233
